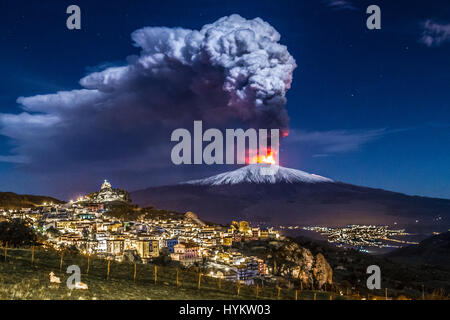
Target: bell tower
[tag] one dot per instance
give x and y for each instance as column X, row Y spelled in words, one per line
column 106, row 185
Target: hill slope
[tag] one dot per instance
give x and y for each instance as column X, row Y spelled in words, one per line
column 434, row 251
column 10, row 200
column 21, row 280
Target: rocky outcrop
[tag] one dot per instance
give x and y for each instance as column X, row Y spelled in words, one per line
column 194, row 218
column 297, row 262
column 322, row 272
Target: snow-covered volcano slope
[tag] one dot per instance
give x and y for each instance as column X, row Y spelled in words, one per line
column 260, row 173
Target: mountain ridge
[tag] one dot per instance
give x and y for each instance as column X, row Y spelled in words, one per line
column 330, row 203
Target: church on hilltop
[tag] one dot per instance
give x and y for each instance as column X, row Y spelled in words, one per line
column 107, row 194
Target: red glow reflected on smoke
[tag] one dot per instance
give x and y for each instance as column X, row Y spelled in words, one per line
column 284, row 133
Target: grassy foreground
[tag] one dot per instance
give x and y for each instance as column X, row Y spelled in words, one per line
column 20, row 279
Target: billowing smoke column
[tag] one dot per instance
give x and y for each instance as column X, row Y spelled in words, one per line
column 231, row 71
column 240, row 57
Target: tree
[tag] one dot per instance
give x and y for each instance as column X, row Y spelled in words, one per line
column 53, row 231
column 164, row 257
column 17, row 233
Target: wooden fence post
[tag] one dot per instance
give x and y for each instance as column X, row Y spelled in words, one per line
column 107, row 269
column 89, row 264
column 156, row 273
column 279, row 291
column 315, row 296
column 178, row 281
column 385, row 294
column 6, row 250
column 220, row 283
column 134, row 274
column 296, row 294
column 61, row 261
column 199, row 280
column 32, row 255
column 238, row 288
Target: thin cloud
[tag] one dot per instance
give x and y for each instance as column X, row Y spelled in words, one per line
column 13, row 159
column 338, row 141
column 435, row 34
column 340, row 5
column 321, row 155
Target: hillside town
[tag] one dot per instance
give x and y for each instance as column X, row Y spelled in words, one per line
column 87, row 225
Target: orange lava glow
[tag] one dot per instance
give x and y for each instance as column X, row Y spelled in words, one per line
column 269, row 158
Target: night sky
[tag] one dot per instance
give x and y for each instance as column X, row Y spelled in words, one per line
column 367, row 107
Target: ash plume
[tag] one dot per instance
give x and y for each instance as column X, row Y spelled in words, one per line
column 233, row 71
column 237, row 61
